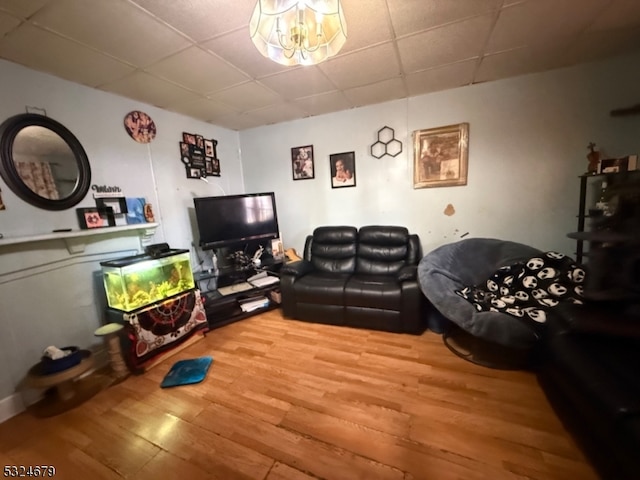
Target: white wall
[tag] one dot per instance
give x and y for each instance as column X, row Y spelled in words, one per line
column 527, row 145
column 47, row 295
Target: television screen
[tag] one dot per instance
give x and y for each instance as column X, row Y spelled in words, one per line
column 233, row 219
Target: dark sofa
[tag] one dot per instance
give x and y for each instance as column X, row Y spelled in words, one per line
column 590, row 372
column 360, row 278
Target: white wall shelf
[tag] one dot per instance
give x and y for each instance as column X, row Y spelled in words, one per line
column 77, row 239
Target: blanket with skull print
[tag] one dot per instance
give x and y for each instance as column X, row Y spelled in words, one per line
column 529, row 288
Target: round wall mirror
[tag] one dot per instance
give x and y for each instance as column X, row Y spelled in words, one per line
column 43, row 162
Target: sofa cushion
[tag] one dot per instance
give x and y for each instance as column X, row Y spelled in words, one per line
column 333, row 249
column 321, row 288
column 382, row 250
column 373, row 291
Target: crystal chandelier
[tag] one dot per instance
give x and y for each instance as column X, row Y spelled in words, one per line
column 298, row 32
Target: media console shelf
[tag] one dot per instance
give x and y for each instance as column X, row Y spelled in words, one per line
column 224, row 309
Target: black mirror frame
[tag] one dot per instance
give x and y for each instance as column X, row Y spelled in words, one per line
column 8, row 132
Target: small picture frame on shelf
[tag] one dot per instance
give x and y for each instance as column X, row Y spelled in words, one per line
column 95, row 217
column 118, row 204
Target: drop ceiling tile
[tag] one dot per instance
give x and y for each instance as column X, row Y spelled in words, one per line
column 539, row 21
column 149, row 89
column 206, row 72
column 201, row 19
column 278, row 113
column 444, row 45
column 299, row 82
column 384, row 91
column 619, row 14
column 518, row 61
column 47, row 52
column 441, row 78
column 238, row 121
column 7, row 23
column 363, row 67
column 411, row 16
column 238, row 49
column 376, row 28
column 21, row 8
column 248, row 96
column 94, row 23
column 592, row 46
column 202, row 109
column 324, row 103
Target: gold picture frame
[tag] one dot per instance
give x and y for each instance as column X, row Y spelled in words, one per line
column 441, row 156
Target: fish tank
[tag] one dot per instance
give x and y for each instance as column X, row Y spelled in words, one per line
column 140, row 280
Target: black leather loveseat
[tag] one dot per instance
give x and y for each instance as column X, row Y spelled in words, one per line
column 589, row 371
column 361, row 278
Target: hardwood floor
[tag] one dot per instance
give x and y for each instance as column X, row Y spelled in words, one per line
column 293, row 400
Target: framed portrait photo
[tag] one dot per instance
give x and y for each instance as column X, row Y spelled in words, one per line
column 95, row 217
column 440, row 156
column 343, row 169
column 302, row 164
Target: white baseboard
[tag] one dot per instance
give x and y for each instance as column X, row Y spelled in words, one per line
column 11, row 406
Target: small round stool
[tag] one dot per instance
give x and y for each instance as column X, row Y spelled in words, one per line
column 110, row 333
column 63, row 381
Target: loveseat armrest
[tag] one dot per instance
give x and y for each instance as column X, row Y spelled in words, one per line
column 408, row 272
column 296, row 269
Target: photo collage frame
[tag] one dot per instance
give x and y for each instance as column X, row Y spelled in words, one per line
column 199, row 156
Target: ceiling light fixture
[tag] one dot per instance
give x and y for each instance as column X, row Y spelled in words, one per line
column 298, row 32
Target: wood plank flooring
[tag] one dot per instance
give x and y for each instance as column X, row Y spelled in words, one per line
column 289, row 400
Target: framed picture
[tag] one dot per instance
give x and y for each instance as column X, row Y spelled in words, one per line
column 95, row 217
column 208, row 148
column 117, row 204
column 189, row 138
column 343, row 169
column 194, row 172
column 302, row 162
column 441, row 156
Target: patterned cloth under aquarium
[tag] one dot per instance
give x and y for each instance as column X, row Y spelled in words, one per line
column 140, row 280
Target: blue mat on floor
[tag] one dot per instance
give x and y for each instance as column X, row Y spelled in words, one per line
column 186, row 372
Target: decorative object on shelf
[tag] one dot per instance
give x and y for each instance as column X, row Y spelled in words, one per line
column 148, row 213
column 28, row 143
column 302, row 162
column 386, row 144
column 118, row 206
column 343, row 169
column 614, row 165
column 135, row 210
column 199, row 156
column 95, row 217
column 140, row 126
column 594, row 159
column 106, row 191
column 441, row 156
column 293, row 32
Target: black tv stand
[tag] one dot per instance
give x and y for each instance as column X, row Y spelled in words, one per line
column 224, row 309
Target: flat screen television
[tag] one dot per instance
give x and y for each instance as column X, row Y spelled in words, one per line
column 230, row 220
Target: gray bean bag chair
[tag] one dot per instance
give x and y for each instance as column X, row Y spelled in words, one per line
column 470, row 262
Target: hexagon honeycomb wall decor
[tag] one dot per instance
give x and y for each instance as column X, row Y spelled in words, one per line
column 386, row 144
